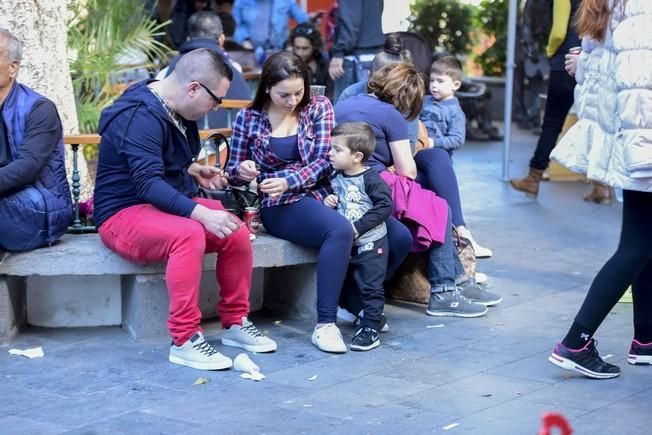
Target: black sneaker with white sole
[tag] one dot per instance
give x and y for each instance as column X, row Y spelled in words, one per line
column 453, row 304
column 382, row 327
column 586, row 361
column 365, row 338
column 640, row 353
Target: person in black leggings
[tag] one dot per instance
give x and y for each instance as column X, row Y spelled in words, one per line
column 630, row 264
column 558, row 102
column 619, row 157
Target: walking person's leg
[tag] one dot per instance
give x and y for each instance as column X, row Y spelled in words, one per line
column 640, row 351
column 558, row 102
column 308, row 222
column 577, row 350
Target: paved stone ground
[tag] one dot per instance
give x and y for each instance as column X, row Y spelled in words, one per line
column 488, row 375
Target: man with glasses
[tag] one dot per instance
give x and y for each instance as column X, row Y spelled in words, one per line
column 147, row 211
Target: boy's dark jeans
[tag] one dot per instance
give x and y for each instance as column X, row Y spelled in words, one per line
column 363, row 288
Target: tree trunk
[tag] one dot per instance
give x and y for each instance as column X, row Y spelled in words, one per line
column 41, row 27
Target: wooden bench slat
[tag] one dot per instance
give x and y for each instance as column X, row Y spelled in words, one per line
column 94, row 139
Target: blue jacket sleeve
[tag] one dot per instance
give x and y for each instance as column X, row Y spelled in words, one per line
column 142, row 149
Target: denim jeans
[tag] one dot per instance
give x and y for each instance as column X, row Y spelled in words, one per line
column 444, row 266
column 355, row 71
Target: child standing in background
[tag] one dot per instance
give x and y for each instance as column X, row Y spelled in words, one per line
column 442, row 114
column 366, row 201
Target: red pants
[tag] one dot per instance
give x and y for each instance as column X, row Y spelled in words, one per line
column 144, row 234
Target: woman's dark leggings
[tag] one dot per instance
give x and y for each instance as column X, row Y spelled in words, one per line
column 630, row 264
column 558, row 102
column 435, row 172
column 310, row 223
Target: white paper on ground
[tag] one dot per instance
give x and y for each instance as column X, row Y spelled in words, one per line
column 35, row 352
column 254, row 376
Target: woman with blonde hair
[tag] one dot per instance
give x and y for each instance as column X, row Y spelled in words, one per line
column 612, row 143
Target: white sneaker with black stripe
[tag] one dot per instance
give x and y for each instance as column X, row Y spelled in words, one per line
column 199, row 354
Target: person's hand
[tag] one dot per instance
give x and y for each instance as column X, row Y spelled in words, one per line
column 336, row 68
column 570, row 63
column 391, row 169
column 331, row 201
column 208, row 177
column 274, row 187
column 218, row 222
column 247, row 170
column 248, row 45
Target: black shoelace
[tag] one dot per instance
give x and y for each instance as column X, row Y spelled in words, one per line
column 252, row 330
column 205, row 348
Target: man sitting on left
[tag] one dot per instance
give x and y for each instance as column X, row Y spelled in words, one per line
column 35, row 204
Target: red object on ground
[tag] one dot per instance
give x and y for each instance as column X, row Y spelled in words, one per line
column 553, row 420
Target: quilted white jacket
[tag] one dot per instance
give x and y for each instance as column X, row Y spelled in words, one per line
column 612, row 141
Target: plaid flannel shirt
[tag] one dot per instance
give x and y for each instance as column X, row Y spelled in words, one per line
column 250, row 141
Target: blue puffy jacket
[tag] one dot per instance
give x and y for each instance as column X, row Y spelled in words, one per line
column 41, row 212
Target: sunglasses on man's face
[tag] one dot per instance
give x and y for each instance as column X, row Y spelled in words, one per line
column 218, row 100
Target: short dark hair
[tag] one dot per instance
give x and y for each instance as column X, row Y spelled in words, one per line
column 202, row 65
column 358, row 137
column 448, row 65
column 278, row 67
column 205, row 24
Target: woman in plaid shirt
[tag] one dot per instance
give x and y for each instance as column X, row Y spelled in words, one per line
column 282, row 140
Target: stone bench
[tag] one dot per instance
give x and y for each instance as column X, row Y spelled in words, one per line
column 287, row 281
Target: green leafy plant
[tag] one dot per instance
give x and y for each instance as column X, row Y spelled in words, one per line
column 106, row 39
column 491, row 20
column 444, row 24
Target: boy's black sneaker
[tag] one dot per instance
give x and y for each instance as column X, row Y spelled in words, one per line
column 365, row 338
column 382, row 327
column 586, row 361
column 640, row 353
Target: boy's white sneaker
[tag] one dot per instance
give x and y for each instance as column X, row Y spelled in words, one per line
column 328, row 338
column 199, row 354
column 246, row 336
column 481, row 278
column 480, row 251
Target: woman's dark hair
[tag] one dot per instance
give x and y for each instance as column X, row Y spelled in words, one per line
column 311, row 33
column 400, row 85
column 278, row 67
column 392, row 52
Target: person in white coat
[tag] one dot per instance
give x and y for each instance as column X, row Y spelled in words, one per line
column 612, row 144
